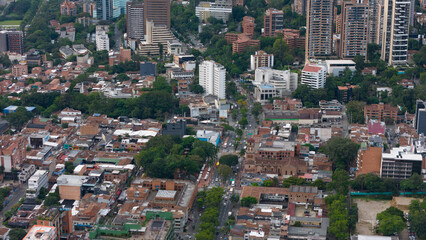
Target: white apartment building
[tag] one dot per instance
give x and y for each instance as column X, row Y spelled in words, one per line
column 212, row 78
column 261, row 59
column 284, row 82
column 314, row 75
column 220, row 9
column 102, row 41
column 337, row 68
column 394, row 38
column 36, row 182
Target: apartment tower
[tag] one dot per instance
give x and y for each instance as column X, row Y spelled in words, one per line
column 157, row 11
column 394, row 39
column 135, row 20
column 354, row 35
column 212, row 78
column 273, row 21
column 319, row 29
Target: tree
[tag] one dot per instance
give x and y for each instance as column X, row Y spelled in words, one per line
column 341, row 151
column 229, row 159
column 359, row 61
column 418, row 217
column 413, row 183
column 224, row 172
column 248, row 201
column 340, row 182
column 69, row 167
column 355, row 111
column 391, row 224
column 243, row 122
column 19, row 118
column 17, row 234
column 256, row 109
column 293, row 181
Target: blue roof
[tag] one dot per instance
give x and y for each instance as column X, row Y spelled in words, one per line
column 267, row 86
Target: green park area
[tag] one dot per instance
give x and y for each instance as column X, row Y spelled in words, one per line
column 11, row 22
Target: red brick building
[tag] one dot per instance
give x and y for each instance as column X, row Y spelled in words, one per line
column 248, row 26
column 381, row 112
column 68, row 8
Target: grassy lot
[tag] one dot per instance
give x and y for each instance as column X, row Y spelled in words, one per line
column 11, row 22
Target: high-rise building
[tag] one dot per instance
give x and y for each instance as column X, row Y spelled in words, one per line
column 68, row 8
column 157, row 11
column 212, row 78
column 118, row 8
column 299, row 6
column 394, row 42
column 373, row 16
column 248, row 26
column 15, row 41
column 261, row 59
column 272, row 21
column 104, row 9
column 314, row 75
column 319, row 29
column 353, row 38
column 135, row 20
column 420, row 117
column 102, row 39
column 89, row 7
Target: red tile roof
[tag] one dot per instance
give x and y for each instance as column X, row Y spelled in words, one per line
column 311, row 68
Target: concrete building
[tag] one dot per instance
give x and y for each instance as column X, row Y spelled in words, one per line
column 135, row 20
column 395, row 31
column 220, row 9
column 39, row 232
column 319, row 29
column 19, row 70
column 175, row 127
column 36, row 182
column 420, row 117
column 155, row 34
column 261, row 59
column 264, row 92
column 248, row 26
column 174, row 47
column 381, row 112
column 354, row 35
column 272, row 21
column 70, row 186
column 337, row 68
column 157, row 11
column 102, row 40
column 284, row 82
column 400, row 163
column 104, row 9
column 314, row 75
column 68, row 8
column 212, row 78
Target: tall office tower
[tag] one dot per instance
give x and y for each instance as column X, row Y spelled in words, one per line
column 420, row 117
column 373, row 21
column 212, row 78
column 299, row 6
column 104, row 9
column 273, row 21
column 135, row 20
column 395, row 31
column 157, row 11
column 353, row 38
column 15, row 42
column 319, row 24
column 118, row 8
